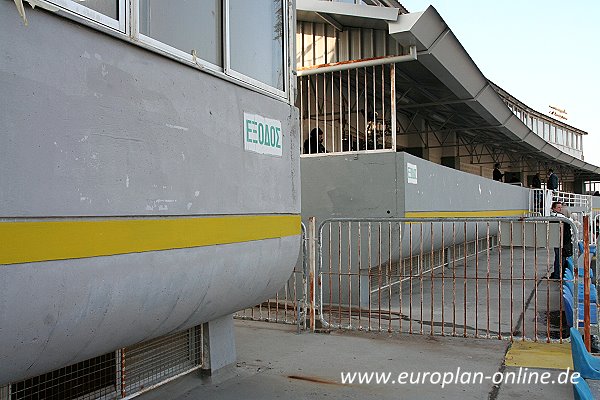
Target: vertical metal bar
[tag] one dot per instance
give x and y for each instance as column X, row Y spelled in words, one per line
column 340, row 273
column 123, row 380
column 443, row 306
column 317, row 111
column 465, row 280
column 333, row 136
column 410, row 279
column 380, row 272
column 535, row 281
column 586, row 281
column 431, row 265
column 421, row 277
column 393, row 103
column 359, row 256
column 369, row 266
column 400, row 276
column 374, row 126
column 333, row 141
column 356, row 110
column 576, row 304
column 383, row 106
column 560, row 303
column 309, row 116
column 268, row 310
column 512, row 258
column 329, row 273
column 365, row 107
column 524, row 328
column 349, row 115
column 487, row 279
column 324, row 75
column 476, row 280
column 301, row 135
column 499, row 281
column 389, row 277
column 453, row 279
column 312, row 269
column 350, row 276
column 341, row 114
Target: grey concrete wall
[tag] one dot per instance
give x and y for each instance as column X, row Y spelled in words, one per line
column 350, row 186
column 58, row 313
column 95, row 126
column 92, row 125
column 376, row 185
column 439, row 188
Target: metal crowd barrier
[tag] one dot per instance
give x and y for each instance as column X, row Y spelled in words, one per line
column 470, row 277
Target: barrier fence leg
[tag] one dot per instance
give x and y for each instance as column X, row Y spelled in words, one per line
column 586, row 283
column 312, row 263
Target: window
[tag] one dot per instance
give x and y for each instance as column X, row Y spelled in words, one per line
column 110, row 8
column 110, row 13
column 559, row 134
column 256, row 41
column 193, row 28
column 245, row 39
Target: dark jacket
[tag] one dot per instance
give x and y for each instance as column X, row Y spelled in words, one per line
column 497, row 175
column 312, row 145
column 552, row 183
column 567, row 244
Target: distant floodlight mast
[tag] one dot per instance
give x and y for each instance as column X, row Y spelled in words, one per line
column 558, row 112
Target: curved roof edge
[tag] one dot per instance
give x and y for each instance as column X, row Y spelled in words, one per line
column 443, row 55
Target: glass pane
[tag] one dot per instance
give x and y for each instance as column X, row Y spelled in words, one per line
column 256, row 40
column 110, row 8
column 187, row 25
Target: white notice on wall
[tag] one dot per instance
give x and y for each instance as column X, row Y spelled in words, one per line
column 411, row 173
column 262, row 135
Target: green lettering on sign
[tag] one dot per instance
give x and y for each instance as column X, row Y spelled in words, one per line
column 262, row 135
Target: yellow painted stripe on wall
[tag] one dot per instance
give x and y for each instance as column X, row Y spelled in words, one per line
column 464, row 214
column 22, row 242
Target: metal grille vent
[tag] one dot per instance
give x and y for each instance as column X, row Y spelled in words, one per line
column 118, row 374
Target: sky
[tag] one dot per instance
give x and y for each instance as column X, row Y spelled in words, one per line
column 541, row 52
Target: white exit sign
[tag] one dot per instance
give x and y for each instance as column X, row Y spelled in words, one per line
column 262, row 135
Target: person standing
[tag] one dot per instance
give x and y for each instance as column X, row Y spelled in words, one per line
column 561, row 254
column 497, row 175
column 314, row 144
column 552, row 183
column 536, row 182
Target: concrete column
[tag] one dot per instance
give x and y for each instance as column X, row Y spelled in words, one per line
column 218, row 344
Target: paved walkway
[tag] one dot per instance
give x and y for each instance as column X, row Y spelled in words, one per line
column 275, row 362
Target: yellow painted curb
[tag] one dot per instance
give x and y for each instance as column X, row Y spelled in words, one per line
column 539, row 355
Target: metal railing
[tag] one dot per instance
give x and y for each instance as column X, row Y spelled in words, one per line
column 289, row 306
column 471, row 277
column 355, row 109
column 540, row 203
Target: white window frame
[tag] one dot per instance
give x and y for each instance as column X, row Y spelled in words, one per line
column 120, row 25
column 180, row 54
column 255, row 82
